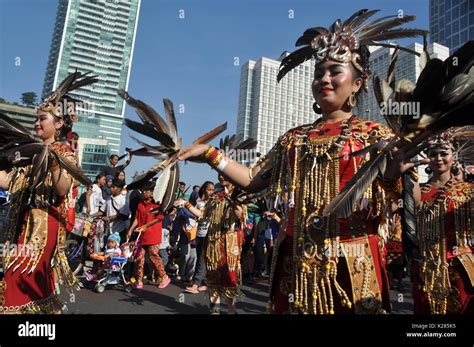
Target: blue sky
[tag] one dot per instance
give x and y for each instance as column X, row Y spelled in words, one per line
column 190, row 60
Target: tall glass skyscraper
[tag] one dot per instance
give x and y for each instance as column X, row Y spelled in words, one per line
column 96, row 36
column 451, row 22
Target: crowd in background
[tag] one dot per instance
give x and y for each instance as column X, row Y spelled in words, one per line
column 170, row 245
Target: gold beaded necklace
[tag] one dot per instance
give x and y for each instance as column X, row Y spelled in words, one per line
column 312, row 182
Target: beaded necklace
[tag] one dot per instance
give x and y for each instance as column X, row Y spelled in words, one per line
column 314, row 174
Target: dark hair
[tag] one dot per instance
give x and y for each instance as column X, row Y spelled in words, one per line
column 148, row 186
column 113, row 155
column 118, row 183
column 181, row 183
column 196, row 186
column 75, row 135
column 98, row 177
column 364, row 55
column 118, row 173
column 202, row 190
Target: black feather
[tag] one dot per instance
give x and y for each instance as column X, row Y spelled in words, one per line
column 409, row 237
column 169, row 110
column 248, row 144
column 71, row 168
column 170, row 194
column 344, row 202
column 348, row 21
column 141, row 180
column 7, row 122
column 149, row 131
column 357, row 21
column 294, row 59
column 309, row 35
column 393, row 34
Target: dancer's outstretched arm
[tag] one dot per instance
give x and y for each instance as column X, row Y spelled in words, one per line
column 251, row 180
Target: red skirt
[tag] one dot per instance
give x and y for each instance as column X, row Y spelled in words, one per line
column 34, row 292
column 282, row 278
column 461, row 298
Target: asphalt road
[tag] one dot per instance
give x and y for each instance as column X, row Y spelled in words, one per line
column 174, row 300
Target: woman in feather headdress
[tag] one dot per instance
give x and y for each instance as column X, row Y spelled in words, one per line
column 39, row 175
column 325, row 265
column 443, row 271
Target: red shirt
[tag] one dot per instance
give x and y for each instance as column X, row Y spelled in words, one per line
column 152, row 235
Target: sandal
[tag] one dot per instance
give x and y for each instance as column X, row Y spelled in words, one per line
column 192, row 290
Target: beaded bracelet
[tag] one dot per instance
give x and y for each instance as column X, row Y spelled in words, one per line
column 215, row 158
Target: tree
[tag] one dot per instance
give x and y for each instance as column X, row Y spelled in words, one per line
column 28, row 98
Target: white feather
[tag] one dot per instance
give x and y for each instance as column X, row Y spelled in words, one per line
column 162, row 184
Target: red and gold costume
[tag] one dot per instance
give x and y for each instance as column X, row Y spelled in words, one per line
column 223, row 247
column 443, row 281
column 29, row 285
column 330, row 264
column 326, row 265
column 38, row 218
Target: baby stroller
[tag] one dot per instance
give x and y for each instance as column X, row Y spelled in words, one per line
column 112, row 269
column 86, row 237
column 172, row 268
column 113, row 275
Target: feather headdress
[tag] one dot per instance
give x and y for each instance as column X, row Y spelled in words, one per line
column 347, row 41
column 444, row 95
column 62, row 105
column 19, row 148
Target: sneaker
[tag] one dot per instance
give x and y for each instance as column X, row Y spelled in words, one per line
column 164, row 283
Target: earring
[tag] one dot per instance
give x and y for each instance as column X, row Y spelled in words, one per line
column 428, row 170
column 455, row 170
column 352, row 100
column 316, row 108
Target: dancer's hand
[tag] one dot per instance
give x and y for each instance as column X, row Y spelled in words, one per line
column 399, row 160
column 193, row 151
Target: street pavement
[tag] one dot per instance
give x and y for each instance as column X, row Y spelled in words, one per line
column 174, row 300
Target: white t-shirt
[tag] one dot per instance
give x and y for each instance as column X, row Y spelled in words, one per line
column 96, row 201
column 112, row 251
column 118, row 204
column 202, row 224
